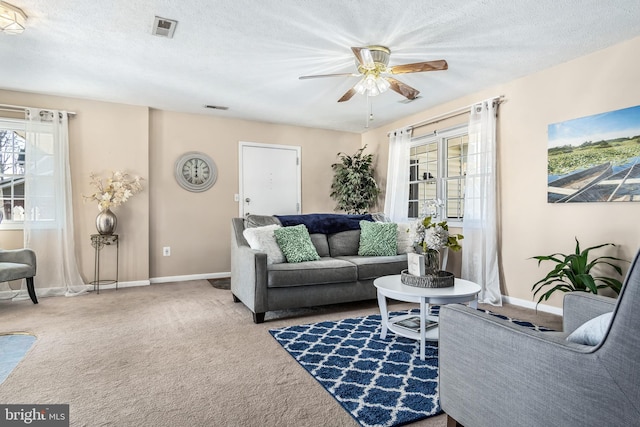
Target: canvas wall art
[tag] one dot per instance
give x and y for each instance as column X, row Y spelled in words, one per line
column 595, row 158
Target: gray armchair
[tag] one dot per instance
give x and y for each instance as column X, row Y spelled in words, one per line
column 19, row 264
column 495, row 373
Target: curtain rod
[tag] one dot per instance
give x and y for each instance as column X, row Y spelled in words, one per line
column 9, row 107
column 449, row 115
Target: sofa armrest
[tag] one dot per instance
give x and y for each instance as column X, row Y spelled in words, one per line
column 492, row 369
column 579, row 307
column 248, row 271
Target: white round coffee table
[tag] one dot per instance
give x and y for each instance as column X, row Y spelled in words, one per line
column 391, row 287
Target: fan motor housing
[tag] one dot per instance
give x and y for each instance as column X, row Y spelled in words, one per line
column 380, row 54
column 380, row 57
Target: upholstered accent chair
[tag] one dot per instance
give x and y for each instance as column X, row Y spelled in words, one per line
column 495, row 373
column 19, row 264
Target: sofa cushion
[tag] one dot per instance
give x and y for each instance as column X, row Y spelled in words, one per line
column 296, row 244
column 593, row 331
column 378, row 239
column 377, row 266
column 321, row 244
column 380, row 217
column 260, row 221
column 263, row 239
column 344, row 243
column 324, row 271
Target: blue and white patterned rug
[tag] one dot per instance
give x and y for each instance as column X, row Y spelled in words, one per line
column 379, row 382
column 13, row 348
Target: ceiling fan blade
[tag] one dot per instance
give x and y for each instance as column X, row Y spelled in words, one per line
column 347, row 96
column 317, row 76
column 403, row 89
column 363, row 55
column 419, row 67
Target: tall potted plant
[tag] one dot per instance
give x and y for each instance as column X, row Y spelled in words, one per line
column 354, row 187
column 572, row 272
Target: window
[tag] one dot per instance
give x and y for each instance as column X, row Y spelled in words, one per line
column 12, row 159
column 438, row 165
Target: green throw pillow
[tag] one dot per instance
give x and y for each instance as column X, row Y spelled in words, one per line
column 378, row 238
column 295, row 243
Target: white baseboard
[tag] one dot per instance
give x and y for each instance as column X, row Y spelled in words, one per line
column 124, row 284
column 532, row 305
column 185, row 278
column 21, row 294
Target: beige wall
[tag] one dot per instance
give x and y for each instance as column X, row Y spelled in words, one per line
column 102, row 137
column 600, row 82
column 106, row 136
column 197, row 225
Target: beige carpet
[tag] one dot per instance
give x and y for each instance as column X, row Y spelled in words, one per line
column 175, row 354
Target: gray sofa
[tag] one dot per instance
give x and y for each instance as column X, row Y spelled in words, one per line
column 339, row 276
column 496, row 374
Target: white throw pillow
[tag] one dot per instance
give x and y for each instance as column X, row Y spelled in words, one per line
column 591, row 332
column 263, row 239
column 406, row 237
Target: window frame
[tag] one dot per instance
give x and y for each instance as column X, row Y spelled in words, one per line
column 440, row 138
column 16, row 125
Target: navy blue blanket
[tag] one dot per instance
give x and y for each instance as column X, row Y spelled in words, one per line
column 325, row 223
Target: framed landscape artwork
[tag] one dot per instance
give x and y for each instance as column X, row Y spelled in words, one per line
column 595, row 158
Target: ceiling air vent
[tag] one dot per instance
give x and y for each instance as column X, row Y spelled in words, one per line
column 216, row 107
column 164, row 27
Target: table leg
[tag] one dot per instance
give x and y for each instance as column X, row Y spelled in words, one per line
column 423, row 329
column 117, row 261
column 474, row 303
column 96, row 269
column 382, row 304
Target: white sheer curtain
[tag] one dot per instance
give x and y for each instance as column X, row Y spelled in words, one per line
column 48, row 224
column 396, row 201
column 480, row 225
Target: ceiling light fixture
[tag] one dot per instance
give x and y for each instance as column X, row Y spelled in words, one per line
column 374, row 71
column 372, row 85
column 12, row 19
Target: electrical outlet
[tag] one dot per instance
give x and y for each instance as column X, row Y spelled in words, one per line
column 166, row 251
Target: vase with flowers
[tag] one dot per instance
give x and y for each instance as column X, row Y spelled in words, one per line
column 111, row 192
column 431, row 238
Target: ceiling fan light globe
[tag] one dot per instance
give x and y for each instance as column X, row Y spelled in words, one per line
column 382, row 84
column 370, row 82
column 360, row 87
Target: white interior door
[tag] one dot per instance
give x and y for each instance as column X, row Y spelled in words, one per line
column 269, row 179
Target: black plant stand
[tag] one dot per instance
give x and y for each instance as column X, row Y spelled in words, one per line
column 99, row 241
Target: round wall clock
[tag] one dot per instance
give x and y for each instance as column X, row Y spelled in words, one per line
column 196, row 171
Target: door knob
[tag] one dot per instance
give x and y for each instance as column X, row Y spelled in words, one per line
column 247, row 200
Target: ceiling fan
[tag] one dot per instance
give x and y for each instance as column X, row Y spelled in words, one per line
column 372, row 63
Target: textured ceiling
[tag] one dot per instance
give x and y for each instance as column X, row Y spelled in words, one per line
column 247, row 55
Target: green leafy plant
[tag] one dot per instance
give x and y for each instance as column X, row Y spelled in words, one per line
column 353, row 186
column 573, row 273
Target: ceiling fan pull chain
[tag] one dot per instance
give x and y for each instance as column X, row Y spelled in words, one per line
column 366, row 122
